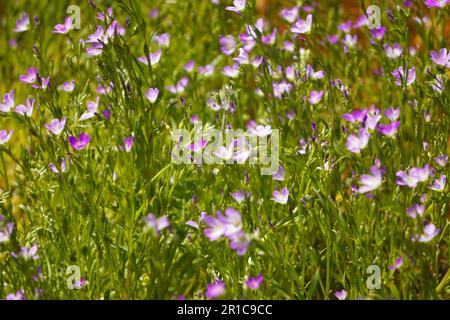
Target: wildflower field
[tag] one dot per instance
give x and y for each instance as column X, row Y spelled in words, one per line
column 220, row 149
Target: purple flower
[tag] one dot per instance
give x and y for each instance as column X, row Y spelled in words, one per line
column 206, row 70
column 423, row 198
column 238, row 6
column 44, row 83
column 240, row 196
column 239, row 242
column 303, row 146
column 415, row 176
column 97, row 36
column 426, row 115
column 63, row 28
column 441, row 59
column 370, row 122
column 408, row 3
column 231, row 221
column 106, row 114
column 270, row 39
column 333, row 39
column 439, row 184
column 194, row 118
column 355, row 143
column 5, row 136
column 156, row 224
column 261, row 131
column 152, row 94
column 128, row 143
column 8, row 102
column 163, row 40
column 215, row 229
column 416, row 210
column 280, row 88
column 394, row 51
column 92, row 107
column 326, row 166
column 315, row 96
column 302, row 26
column 224, row 153
column 279, row 175
column 290, row 15
column 281, row 197
column 229, row 225
column 78, row 284
column 189, row 66
column 356, row 116
column 350, row 41
column 392, row 114
column 361, row 21
column 441, row 159
column 23, row 23
column 105, row 16
column 341, row 295
column 26, row 109
column 192, row 224
column 30, row 77
column 438, row 84
column 27, row 253
column 310, row 73
column 55, row 169
column 5, row 231
column 56, row 126
column 12, row 43
column 309, row 8
column 241, row 156
column 408, row 75
column 68, row 86
column 19, row 295
column 242, row 58
column 397, row 264
column 403, row 179
column 116, row 28
column 370, row 182
column 153, row 13
column 429, row 232
column 227, row 44
column 198, row 146
column 254, row 282
column 388, row 129
column 345, row 26
column 179, row 87
column 421, row 174
column 153, row 58
column 81, row 143
column 95, row 50
column 378, row 33
column 436, row 3
column 231, row 71
column 340, row 85
column 217, row 288
column 256, row 61
column 291, row 73
column 102, row 90
column 288, row 46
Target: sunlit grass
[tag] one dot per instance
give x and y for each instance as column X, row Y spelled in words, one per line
column 95, row 214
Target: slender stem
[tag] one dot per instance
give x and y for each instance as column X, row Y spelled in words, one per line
column 5, row 171
column 443, row 282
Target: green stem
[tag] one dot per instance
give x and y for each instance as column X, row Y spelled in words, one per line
column 443, row 282
column 5, row 171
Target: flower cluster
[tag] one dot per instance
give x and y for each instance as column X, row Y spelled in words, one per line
column 229, row 226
